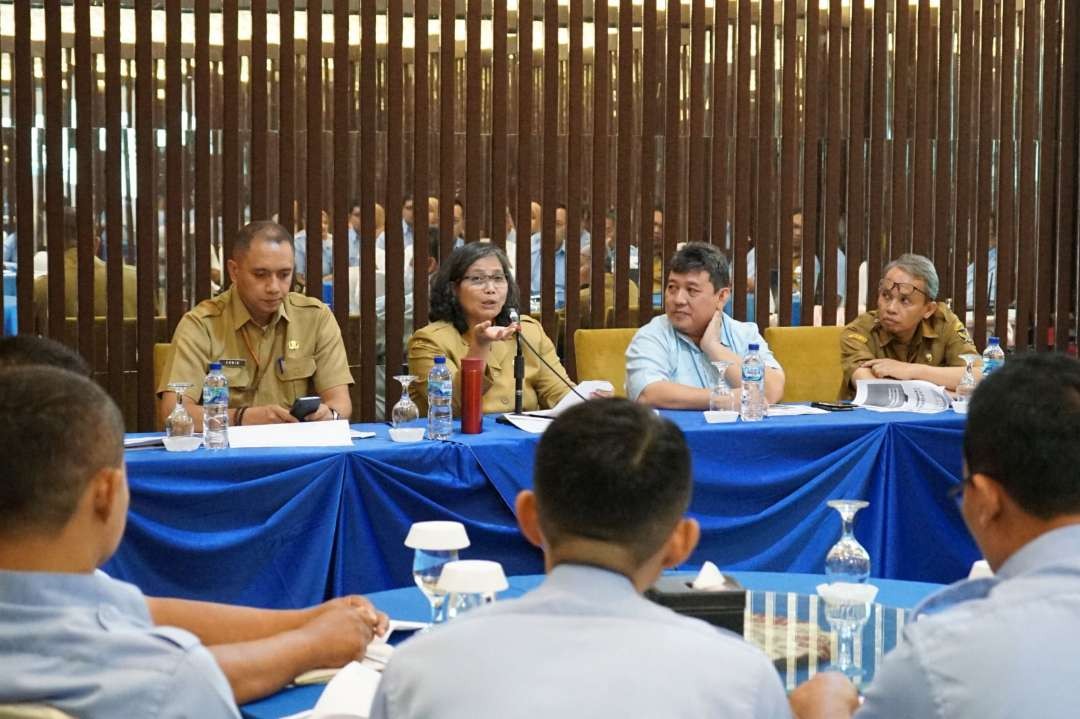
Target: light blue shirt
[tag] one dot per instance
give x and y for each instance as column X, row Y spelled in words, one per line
column 583, row 644
column 300, row 242
column 660, row 353
column 560, row 273
column 406, row 234
column 992, row 648
column 11, row 248
column 991, row 279
column 841, row 270
column 85, row 644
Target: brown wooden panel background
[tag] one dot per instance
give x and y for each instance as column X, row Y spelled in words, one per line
column 948, row 127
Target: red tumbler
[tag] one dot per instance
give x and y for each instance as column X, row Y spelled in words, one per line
column 472, row 395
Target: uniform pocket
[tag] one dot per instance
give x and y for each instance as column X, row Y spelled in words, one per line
column 296, row 374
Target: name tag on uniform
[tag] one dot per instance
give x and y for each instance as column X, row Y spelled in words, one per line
column 233, row 363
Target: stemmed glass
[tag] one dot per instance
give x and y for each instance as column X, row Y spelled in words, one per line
column 435, row 544
column 966, row 387
column 405, row 410
column 846, row 615
column 179, row 425
column 847, row 561
column 721, row 397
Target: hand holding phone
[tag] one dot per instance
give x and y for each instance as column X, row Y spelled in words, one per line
column 303, row 406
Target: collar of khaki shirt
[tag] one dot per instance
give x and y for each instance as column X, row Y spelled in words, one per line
column 241, row 316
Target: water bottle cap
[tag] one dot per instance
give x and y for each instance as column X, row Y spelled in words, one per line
column 439, row 359
column 215, row 366
column 754, row 347
column 995, row 341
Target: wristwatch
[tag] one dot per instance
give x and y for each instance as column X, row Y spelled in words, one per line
column 334, row 412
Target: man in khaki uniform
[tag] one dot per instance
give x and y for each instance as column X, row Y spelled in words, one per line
column 274, row 345
column 909, row 336
column 585, row 297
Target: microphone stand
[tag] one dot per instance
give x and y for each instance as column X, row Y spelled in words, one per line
column 519, row 372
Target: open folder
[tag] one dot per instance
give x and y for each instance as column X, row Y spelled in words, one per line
column 537, row 421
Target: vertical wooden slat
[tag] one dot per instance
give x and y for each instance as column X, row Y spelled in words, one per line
column 367, row 115
column 601, row 91
column 1029, row 122
column 833, row 166
column 421, row 180
column 815, row 90
column 943, row 177
column 1067, row 246
column 789, row 160
column 878, row 109
column 1006, row 212
column 113, row 206
column 395, row 255
column 524, row 161
column 672, row 130
column 54, row 189
column 174, row 169
column 625, row 172
column 230, row 129
column 287, row 116
column 146, row 236
column 203, row 211
column 696, row 160
column 721, row 220
column 965, row 159
column 84, row 93
column 900, row 238
column 342, row 161
column 856, row 204
column 259, row 113
column 922, row 186
column 1048, row 166
column 474, row 103
column 576, row 113
column 550, row 165
column 648, row 284
column 447, row 128
column 985, row 187
column 22, row 69
column 313, row 104
column 765, row 234
column 499, row 121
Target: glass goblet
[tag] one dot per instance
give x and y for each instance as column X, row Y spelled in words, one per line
column 179, row 425
column 405, row 410
column 966, row 386
column 847, row 561
column 427, row 568
column 847, row 619
column 721, row 397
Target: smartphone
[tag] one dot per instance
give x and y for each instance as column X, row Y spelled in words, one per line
column 833, row 406
column 303, row 406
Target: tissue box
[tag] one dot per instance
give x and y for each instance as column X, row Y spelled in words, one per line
column 720, row 607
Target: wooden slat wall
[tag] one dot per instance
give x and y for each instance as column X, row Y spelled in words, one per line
column 897, row 126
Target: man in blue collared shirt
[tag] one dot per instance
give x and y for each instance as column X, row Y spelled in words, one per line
column 611, row 489
column 669, row 361
column 1003, row 646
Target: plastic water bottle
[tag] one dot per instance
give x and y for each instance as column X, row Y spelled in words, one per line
column 215, row 399
column 440, row 394
column 753, row 387
column 993, row 356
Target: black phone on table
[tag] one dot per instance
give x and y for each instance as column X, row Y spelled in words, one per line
column 833, row 406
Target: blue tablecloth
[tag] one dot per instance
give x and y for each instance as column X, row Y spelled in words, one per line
column 410, row 604
column 11, row 315
column 289, row 527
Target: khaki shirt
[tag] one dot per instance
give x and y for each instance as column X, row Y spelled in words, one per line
column 541, row 387
column 299, row 353
column 938, row 342
column 71, row 290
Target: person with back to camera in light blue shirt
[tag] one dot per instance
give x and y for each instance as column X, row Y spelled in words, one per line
column 611, row 487
column 669, row 361
column 1001, row 646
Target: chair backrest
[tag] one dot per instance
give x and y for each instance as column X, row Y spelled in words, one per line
column 162, row 355
column 810, row 357
column 601, row 354
column 31, row 711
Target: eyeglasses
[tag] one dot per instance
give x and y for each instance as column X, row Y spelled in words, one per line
column 483, row 280
column 904, row 289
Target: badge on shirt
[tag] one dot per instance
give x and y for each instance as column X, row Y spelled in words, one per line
column 233, row 362
column 293, row 345
column 858, row 338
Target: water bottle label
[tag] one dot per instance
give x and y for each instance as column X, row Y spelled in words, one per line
column 443, row 389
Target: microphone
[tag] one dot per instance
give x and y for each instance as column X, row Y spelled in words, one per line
column 519, row 362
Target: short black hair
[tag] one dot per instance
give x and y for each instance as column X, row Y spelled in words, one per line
column 260, row 229
column 49, row 453
column 444, row 301
column 1023, row 430
column 24, row 350
column 615, row 471
column 434, row 245
column 699, row 256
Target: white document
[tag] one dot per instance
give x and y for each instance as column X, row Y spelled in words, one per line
column 349, row 694
column 357, row 434
column 792, row 410
column 154, row 440
column 294, row 434
column 535, row 422
column 891, row 395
